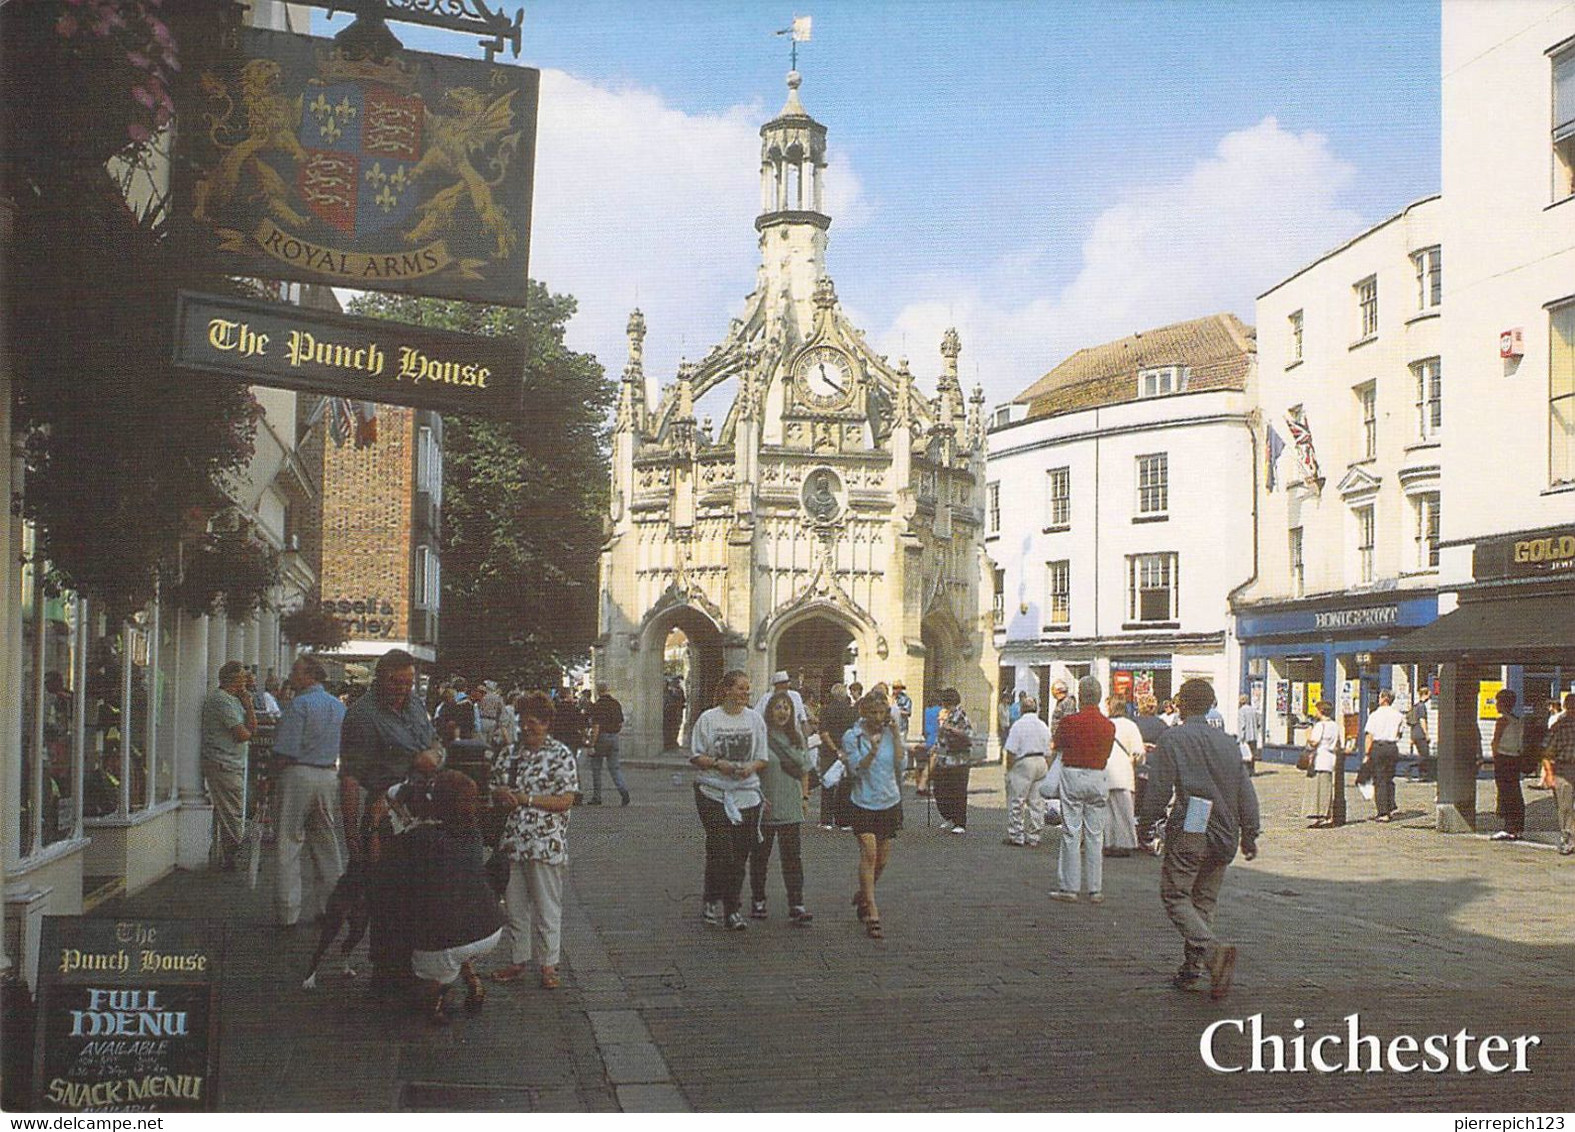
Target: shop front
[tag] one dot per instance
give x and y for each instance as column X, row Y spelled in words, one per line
column 1295, row 654
column 1514, row 628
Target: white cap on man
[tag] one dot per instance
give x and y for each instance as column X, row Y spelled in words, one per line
column 781, row 677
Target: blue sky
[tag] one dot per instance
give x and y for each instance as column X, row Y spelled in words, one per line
column 1043, row 176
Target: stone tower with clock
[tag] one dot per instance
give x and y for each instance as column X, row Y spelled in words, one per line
column 832, row 526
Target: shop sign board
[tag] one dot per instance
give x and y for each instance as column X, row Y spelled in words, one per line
column 1534, row 555
column 1374, row 620
column 411, row 174
column 364, row 359
column 128, row 1015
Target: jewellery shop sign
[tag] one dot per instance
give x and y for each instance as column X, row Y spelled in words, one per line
column 364, row 359
column 411, row 173
column 128, row 1016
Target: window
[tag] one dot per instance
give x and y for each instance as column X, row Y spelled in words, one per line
column 1060, row 481
column 1298, row 567
column 1364, row 543
column 1151, row 587
column 429, row 578
column 1429, row 278
column 1429, row 398
column 1153, row 480
column 1367, row 403
column 429, row 464
column 998, row 598
column 1058, row 604
column 1564, row 124
column 1161, row 380
column 1296, row 336
column 1367, row 307
column 1561, row 394
column 1426, row 508
column 993, row 518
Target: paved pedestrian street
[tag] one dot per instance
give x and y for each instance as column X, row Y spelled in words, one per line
column 985, row 995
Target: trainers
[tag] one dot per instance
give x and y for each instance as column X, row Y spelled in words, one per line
column 1505, row 835
column 757, row 910
column 827, row 826
column 713, row 913
column 946, row 825
column 1096, row 897
column 958, row 829
column 847, row 829
column 736, row 922
column 800, row 915
column 1064, row 897
column 1222, row 964
column 625, row 801
column 1187, row 980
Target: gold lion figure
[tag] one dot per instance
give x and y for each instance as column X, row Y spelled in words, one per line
column 473, row 126
column 271, row 123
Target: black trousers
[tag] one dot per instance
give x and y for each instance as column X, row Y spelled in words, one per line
column 1385, row 758
column 949, row 784
column 792, row 863
column 834, row 802
column 1511, row 802
column 727, row 849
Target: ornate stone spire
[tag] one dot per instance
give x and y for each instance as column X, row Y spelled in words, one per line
column 949, row 388
column 904, row 412
column 631, row 395
column 976, row 431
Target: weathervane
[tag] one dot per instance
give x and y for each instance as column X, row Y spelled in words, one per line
column 800, row 33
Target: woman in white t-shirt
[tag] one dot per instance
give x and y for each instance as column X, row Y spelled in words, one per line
column 1324, row 743
column 729, row 752
column 1126, row 755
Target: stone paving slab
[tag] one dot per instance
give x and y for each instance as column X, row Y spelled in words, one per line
column 986, row 996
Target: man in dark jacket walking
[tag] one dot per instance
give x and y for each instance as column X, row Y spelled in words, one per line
column 1215, row 809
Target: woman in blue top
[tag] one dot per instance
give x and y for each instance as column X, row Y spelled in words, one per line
column 874, row 754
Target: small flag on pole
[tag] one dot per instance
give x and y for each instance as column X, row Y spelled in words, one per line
column 800, row 29
column 1273, row 446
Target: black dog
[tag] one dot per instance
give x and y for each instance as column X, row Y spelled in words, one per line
column 347, row 908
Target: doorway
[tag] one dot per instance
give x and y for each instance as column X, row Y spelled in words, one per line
column 816, row 653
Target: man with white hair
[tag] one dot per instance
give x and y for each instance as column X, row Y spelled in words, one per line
column 1084, row 740
column 782, row 682
column 1028, row 761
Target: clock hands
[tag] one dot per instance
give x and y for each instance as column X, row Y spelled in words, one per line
column 827, row 379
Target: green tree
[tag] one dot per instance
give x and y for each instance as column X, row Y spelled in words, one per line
column 523, row 497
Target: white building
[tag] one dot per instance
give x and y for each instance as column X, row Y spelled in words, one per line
column 1119, row 512
column 1351, row 373
column 1507, row 547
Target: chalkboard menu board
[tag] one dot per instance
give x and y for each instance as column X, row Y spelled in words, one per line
column 128, row 1015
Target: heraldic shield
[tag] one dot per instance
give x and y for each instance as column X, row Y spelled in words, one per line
column 410, row 173
column 363, row 141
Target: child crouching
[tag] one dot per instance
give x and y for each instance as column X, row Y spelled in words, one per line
column 454, row 914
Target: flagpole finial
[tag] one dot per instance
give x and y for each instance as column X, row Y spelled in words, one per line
column 798, row 33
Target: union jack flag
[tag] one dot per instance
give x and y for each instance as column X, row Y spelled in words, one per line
column 1301, row 436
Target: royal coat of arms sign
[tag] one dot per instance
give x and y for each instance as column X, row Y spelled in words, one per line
column 410, row 173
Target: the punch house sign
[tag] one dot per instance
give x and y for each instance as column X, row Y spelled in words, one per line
column 128, row 1015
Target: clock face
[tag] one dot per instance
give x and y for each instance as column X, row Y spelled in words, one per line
column 825, row 376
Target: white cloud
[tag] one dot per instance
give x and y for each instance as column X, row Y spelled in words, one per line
column 640, row 204
column 1263, row 204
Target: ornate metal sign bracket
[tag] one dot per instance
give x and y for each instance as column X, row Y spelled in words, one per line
column 463, row 16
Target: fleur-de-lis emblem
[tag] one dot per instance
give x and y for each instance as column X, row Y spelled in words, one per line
column 376, row 174
column 389, row 185
column 386, row 199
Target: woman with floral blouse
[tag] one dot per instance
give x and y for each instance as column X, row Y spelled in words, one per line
column 537, row 781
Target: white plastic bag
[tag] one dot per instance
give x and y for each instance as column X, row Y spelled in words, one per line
column 833, row 775
column 1050, row 784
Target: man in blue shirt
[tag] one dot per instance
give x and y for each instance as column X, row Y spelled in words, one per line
column 306, row 773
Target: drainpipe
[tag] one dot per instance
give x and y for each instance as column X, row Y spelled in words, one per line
column 1230, row 598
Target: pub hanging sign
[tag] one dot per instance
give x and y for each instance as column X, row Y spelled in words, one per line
column 411, row 173
column 337, row 355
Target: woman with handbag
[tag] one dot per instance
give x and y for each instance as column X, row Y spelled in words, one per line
column 872, row 752
column 1121, row 771
column 1323, row 751
column 953, row 763
column 782, row 785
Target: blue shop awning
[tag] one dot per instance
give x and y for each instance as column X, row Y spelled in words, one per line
column 1506, row 630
